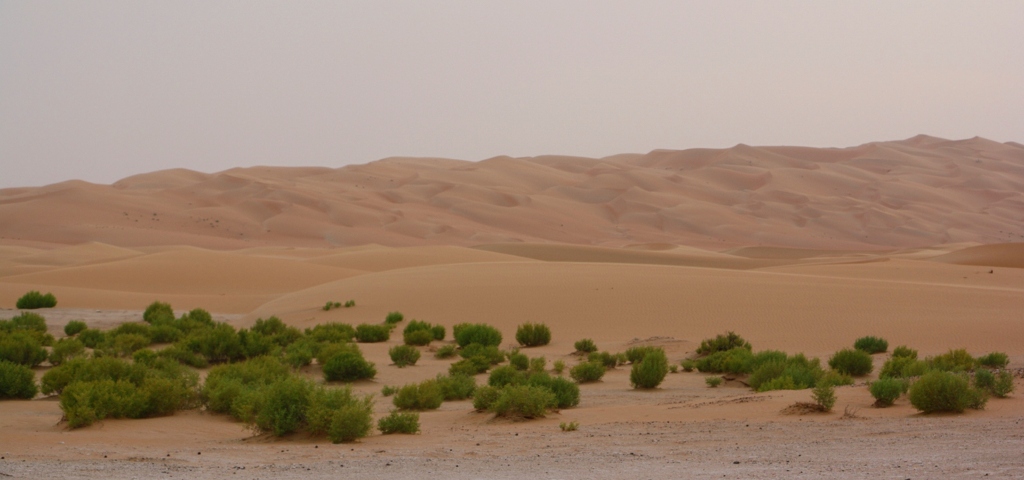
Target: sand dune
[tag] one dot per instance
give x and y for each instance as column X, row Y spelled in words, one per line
column 916, row 192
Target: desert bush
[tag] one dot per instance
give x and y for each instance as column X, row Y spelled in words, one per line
column 331, row 333
column 537, row 364
column 803, row 372
column 299, row 354
column 569, row 427
column 673, row 368
column 158, row 311
column 282, row 406
column 92, row 338
column 722, row 343
column 533, row 334
column 33, row 300
column 350, row 303
column 585, row 345
column 688, row 365
column 887, row 390
column 506, row 375
column 447, row 351
column 456, row 387
column 952, row 361
column 942, row 391
column 218, row 344
column 519, row 360
column 81, row 369
column 871, row 344
column 399, row 422
column 28, row 323
column 183, row 356
column 388, row 390
column 606, row 359
column 418, row 337
column 587, row 372
column 489, row 352
column 558, row 367
column 438, row 331
column 74, row 327
column 984, row 379
column 276, row 330
column 417, row 325
column 851, row 362
column 404, row 355
column 255, row 344
column 367, row 333
column 164, row 334
column 126, row 344
column 132, row 328
column 66, row 349
column 1003, row 385
column 17, row 381
column 903, row 367
column 650, row 371
column 22, row 348
column 835, row 379
column 994, row 360
column 225, row 384
column 340, row 414
column 737, row 360
column 484, row 396
column 567, row 393
column 904, row 351
column 469, row 366
column 426, row 395
column 713, row 381
column 468, row 333
column 523, row 401
column 824, row 396
column 348, row 365
column 393, row 318
column 83, row 403
column 636, row 354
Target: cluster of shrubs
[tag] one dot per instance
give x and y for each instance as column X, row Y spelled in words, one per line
column 524, row 390
column 332, row 305
column 22, row 339
column 422, row 333
column 33, row 300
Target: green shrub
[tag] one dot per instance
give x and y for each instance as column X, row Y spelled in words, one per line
column 904, row 351
column 132, row 328
column 388, row 390
column 506, row 375
column 340, row 414
column 466, row 333
column 587, row 372
column 367, row 333
column 350, row 303
column 447, row 351
column 276, row 330
column 585, row 345
column 331, row 333
column 713, row 381
column 28, row 323
column 871, row 344
column 688, row 365
column 835, row 379
column 158, row 311
column 22, row 348
column 851, row 362
column 651, row 371
column 348, row 365
column 984, row 379
column 941, row 391
column 637, row 354
column 484, row 396
column 567, row 393
column 456, row 387
column 1003, row 385
column 282, row 406
column 399, row 422
column 417, row 325
column 558, row 367
column 771, row 366
column 256, row 344
column 519, row 360
column 722, row 343
column 17, row 381
column 81, row 369
column 393, row 318
column 34, row 299
column 418, row 337
column 299, row 354
column 92, row 338
column 126, row 344
column 469, row 366
column 952, row 361
column 824, row 396
column 74, row 327
column 994, row 360
column 903, row 367
column 226, row 384
column 426, row 395
column 218, row 344
column 887, row 390
column 604, row 358
column 533, row 334
column 537, row 364
column 438, row 331
column 66, row 349
column 404, row 355
column 523, row 401
column 569, row 427
column 737, row 360
column 489, row 352
column 183, row 356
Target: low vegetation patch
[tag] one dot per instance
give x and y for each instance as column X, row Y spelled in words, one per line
column 587, row 372
column 713, row 381
column 345, row 363
column 650, row 371
column 33, row 300
column 871, row 344
column 941, row 391
column 585, row 345
column 447, row 351
column 469, row 333
column 887, row 390
column 404, row 355
column 399, row 422
column 393, row 318
column 17, row 381
column 74, row 327
column 851, row 362
column 367, row 333
column 994, row 360
column 569, row 427
column 722, row 343
column 426, row 395
column 533, row 334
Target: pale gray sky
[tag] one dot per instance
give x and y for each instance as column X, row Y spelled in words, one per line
column 100, row 90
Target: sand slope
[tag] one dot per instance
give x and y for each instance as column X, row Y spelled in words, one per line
column 916, row 192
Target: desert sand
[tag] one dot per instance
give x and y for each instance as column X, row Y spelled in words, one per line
column 797, row 249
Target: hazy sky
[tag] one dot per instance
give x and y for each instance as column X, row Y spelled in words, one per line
column 100, row 90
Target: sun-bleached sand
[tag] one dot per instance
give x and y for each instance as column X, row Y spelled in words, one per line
column 797, row 249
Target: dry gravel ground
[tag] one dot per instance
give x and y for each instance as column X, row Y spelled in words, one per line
column 923, row 447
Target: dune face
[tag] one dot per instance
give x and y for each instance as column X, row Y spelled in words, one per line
column 917, row 192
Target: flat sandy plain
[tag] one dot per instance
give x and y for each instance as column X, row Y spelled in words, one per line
column 933, row 267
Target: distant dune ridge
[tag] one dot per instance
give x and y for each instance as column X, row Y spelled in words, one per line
column 911, row 193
